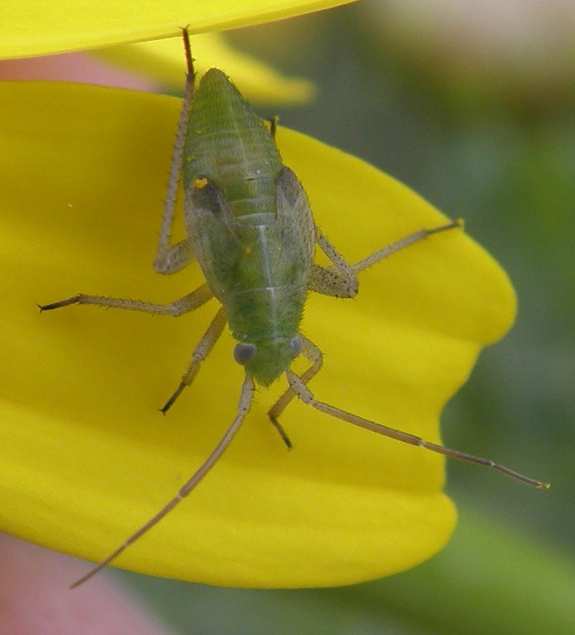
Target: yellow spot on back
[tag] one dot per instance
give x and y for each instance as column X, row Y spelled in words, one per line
column 199, row 184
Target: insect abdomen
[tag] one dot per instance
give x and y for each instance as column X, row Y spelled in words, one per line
column 229, row 144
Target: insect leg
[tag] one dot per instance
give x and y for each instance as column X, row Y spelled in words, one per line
column 273, row 121
column 243, row 409
column 315, row 356
column 303, row 393
column 189, row 302
column 340, row 280
column 202, row 350
column 402, row 243
column 171, row 258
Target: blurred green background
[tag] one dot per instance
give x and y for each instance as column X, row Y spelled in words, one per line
column 477, row 115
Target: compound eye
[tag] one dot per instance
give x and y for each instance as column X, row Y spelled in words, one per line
column 295, row 345
column 243, row 352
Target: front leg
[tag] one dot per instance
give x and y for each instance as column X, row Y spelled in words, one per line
column 315, row 356
column 202, row 350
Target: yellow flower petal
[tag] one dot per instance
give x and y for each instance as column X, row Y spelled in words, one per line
column 164, row 62
column 32, row 28
column 86, row 457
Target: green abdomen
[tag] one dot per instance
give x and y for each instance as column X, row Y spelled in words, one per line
column 249, row 221
column 229, row 144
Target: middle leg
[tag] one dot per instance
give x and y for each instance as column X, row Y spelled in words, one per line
column 340, row 280
column 402, row 243
column 189, row 302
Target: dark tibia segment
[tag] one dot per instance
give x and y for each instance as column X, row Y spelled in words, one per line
column 273, row 121
column 202, row 350
column 75, row 299
column 170, row 402
column 281, row 431
column 188, row 51
column 314, row 354
column 306, row 396
column 454, row 224
column 402, row 243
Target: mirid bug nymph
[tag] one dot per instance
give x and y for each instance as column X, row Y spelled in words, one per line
column 250, row 227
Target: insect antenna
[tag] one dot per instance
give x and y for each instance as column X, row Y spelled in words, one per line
column 243, row 409
column 303, row 392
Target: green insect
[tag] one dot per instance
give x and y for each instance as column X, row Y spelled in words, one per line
column 250, row 227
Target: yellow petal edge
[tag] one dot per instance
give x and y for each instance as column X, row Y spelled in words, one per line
column 30, row 28
column 87, row 457
column 164, row 62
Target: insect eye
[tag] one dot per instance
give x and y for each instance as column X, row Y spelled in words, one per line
column 295, row 345
column 244, row 352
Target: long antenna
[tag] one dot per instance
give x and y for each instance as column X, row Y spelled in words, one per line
column 303, row 392
column 243, row 408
